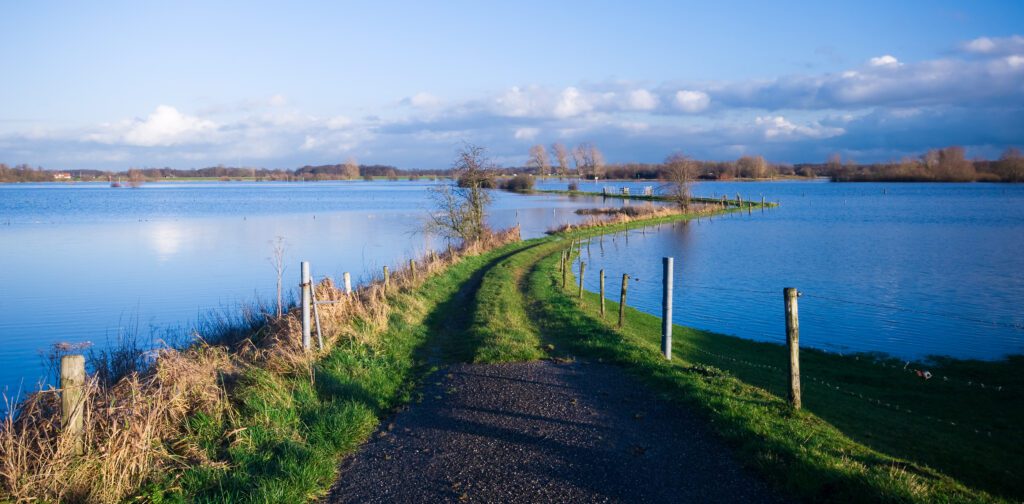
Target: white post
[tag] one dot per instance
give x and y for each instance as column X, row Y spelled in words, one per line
column 348, row 284
column 305, row 287
column 666, row 308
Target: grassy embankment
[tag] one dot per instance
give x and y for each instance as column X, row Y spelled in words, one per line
column 842, row 446
column 730, row 203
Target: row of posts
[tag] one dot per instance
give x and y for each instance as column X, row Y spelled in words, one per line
column 72, row 367
column 790, row 295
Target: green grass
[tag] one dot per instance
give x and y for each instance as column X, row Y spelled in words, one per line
column 289, row 432
column 841, row 447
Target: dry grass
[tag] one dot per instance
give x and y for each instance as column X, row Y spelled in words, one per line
column 136, row 427
column 601, row 217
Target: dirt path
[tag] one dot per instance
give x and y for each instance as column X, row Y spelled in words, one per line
column 543, row 432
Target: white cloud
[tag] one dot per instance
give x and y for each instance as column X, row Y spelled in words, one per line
column 278, row 101
column 778, row 127
column 572, row 103
column 997, row 45
column 886, row 61
column 642, row 99
column 422, row 100
column 692, row 101
column 526, row 133
column 165, row 126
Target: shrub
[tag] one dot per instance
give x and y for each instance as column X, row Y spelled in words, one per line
column 573, row 186
column 519, row 183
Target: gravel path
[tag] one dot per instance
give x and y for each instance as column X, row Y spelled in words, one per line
column 543, row 432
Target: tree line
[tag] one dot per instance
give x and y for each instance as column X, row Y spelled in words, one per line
column 587, row 161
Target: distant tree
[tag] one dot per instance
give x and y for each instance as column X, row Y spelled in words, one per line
column 680, row 171
column 949, row 164
column 460, row 209
column 1010, row 166
column 752, row 167
column 519, row 183
column 539, row 160
column 562, row 157
column 351, row 169
column 589, row 160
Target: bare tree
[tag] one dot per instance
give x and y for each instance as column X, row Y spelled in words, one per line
column 752, row 167
column 1011, row 165
column 589, row 160
column 461, row 208
column 351, row 169
column 562, row 157
column 277, row 246
column 680, row 171
column 539, row 160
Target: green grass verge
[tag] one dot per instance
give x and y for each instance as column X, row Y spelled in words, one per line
column 811, row 456
column 290, row 431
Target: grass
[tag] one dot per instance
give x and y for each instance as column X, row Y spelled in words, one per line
column 840, row 447
column 290, row 430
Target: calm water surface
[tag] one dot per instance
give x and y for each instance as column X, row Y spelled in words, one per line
column 86, row 262
column 907, row 269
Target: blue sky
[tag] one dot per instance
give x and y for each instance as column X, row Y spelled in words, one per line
column 191, row 84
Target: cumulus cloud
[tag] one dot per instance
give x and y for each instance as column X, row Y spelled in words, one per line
column 778, row 128
column 692, row 101
column 165, row 126
column 998, row 45
column 422, row 100
column 887, row 61
column 878, row 109
column 642, row 99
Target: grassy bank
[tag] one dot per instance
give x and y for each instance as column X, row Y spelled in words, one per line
column 725, row 203
column 841, row 447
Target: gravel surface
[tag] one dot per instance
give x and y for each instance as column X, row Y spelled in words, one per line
column 544, row 432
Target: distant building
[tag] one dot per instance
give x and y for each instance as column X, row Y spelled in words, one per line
column 62, row 176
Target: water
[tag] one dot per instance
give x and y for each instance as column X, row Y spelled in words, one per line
column 921, row 268
column 910, row 270
column 85, row 262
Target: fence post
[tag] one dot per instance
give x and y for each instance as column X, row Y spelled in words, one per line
column 305, row 288
column 666, row 307
column 412, row 268
column 793, row 343
column 72, row 399
column 622, row 299
column 387, row 279
column 348, row 284
column 565, row 268
column 583, row 267
column 602, row 293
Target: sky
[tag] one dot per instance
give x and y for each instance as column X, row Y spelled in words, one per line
column 113, row 85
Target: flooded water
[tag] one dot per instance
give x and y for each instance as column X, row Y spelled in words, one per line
column 86, row 262
column 907, row 269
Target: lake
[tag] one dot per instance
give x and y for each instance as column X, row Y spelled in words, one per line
column 911, row 270
column 86, row 262
column 907, row 269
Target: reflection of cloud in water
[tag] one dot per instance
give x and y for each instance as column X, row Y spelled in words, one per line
column 166, row 239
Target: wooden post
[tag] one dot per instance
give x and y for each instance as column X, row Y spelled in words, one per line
column 348, row 284
column 583, row 267
column 666, row 307
column 793, row 343
column 561, row 262
column 565, row 269
column 602, row 293
column 412, row 268
column 316, row 316
column 387, row 279
column 305, row 287
column 622, row 299
column 72, row 399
